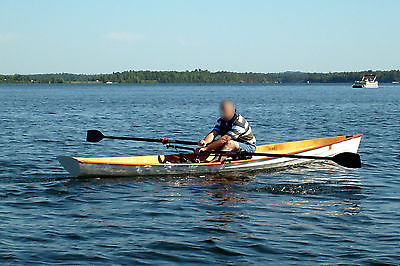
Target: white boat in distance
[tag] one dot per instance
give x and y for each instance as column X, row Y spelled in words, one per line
column 367, row 81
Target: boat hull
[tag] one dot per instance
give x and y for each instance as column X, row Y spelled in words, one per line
column 373, row 85
column 167, row 165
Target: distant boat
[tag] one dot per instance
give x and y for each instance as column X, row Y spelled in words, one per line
column 396, row 82
column 367, row 81
column 109, row 82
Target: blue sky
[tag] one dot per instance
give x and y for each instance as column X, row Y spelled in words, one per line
column 258, row 36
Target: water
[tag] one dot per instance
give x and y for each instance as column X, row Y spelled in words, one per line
column 306, row 215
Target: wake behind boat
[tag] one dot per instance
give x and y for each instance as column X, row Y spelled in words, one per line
column 184, row 164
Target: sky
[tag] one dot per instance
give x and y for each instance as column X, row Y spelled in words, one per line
column 97, row 36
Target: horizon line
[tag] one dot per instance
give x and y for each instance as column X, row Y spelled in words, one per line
column 199, row 69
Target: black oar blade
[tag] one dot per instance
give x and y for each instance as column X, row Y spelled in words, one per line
column 94, row 136
column 348, row 159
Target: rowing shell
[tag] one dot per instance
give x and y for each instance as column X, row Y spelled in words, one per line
column 173, row 165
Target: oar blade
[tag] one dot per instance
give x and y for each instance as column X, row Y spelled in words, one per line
column 94, row 136
column 348, row 159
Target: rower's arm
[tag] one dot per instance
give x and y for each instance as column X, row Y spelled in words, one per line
column 217, row 145
column 210, row 137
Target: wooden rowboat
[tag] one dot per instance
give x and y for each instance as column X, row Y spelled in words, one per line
column 178, row 164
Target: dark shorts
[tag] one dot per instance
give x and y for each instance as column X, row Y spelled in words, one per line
column 247, row 147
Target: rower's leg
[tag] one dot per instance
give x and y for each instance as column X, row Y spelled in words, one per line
column 231, row 145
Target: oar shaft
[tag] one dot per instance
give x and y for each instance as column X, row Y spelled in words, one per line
column 164, row 141
column 274, row 155
column 184, row 142
column 180, row 147
column 292, row 156
column 136, row 139
column 346, row 159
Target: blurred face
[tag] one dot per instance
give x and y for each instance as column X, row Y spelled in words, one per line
column 227, row 110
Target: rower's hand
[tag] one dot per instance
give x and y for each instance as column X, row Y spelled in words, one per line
column 202, row 143
column 200, row 150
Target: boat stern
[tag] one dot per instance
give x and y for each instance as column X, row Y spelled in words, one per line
column 70, row 164
column 354, row 143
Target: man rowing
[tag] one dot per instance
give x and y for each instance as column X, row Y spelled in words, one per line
column 234, row 131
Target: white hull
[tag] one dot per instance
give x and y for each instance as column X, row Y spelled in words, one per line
column 368, row 85
column 77, row 168
column 371, row 85
column 368, row 82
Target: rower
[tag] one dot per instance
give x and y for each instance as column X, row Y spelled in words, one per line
column 234, row 131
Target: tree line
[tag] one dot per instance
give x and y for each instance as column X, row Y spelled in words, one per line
column 200, row 76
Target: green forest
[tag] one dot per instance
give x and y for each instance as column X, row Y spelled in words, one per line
column 200, row 76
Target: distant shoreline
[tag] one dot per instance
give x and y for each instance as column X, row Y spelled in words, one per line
column 199, row 76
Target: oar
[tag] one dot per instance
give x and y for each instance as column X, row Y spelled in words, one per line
column 345, row 159
column 96, row 136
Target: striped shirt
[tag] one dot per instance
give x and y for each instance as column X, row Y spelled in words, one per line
column 237, row 128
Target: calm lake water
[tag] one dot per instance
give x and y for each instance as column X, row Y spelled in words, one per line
column 306, row 215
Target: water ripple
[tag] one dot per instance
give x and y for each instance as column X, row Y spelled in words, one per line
column 314, row 214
